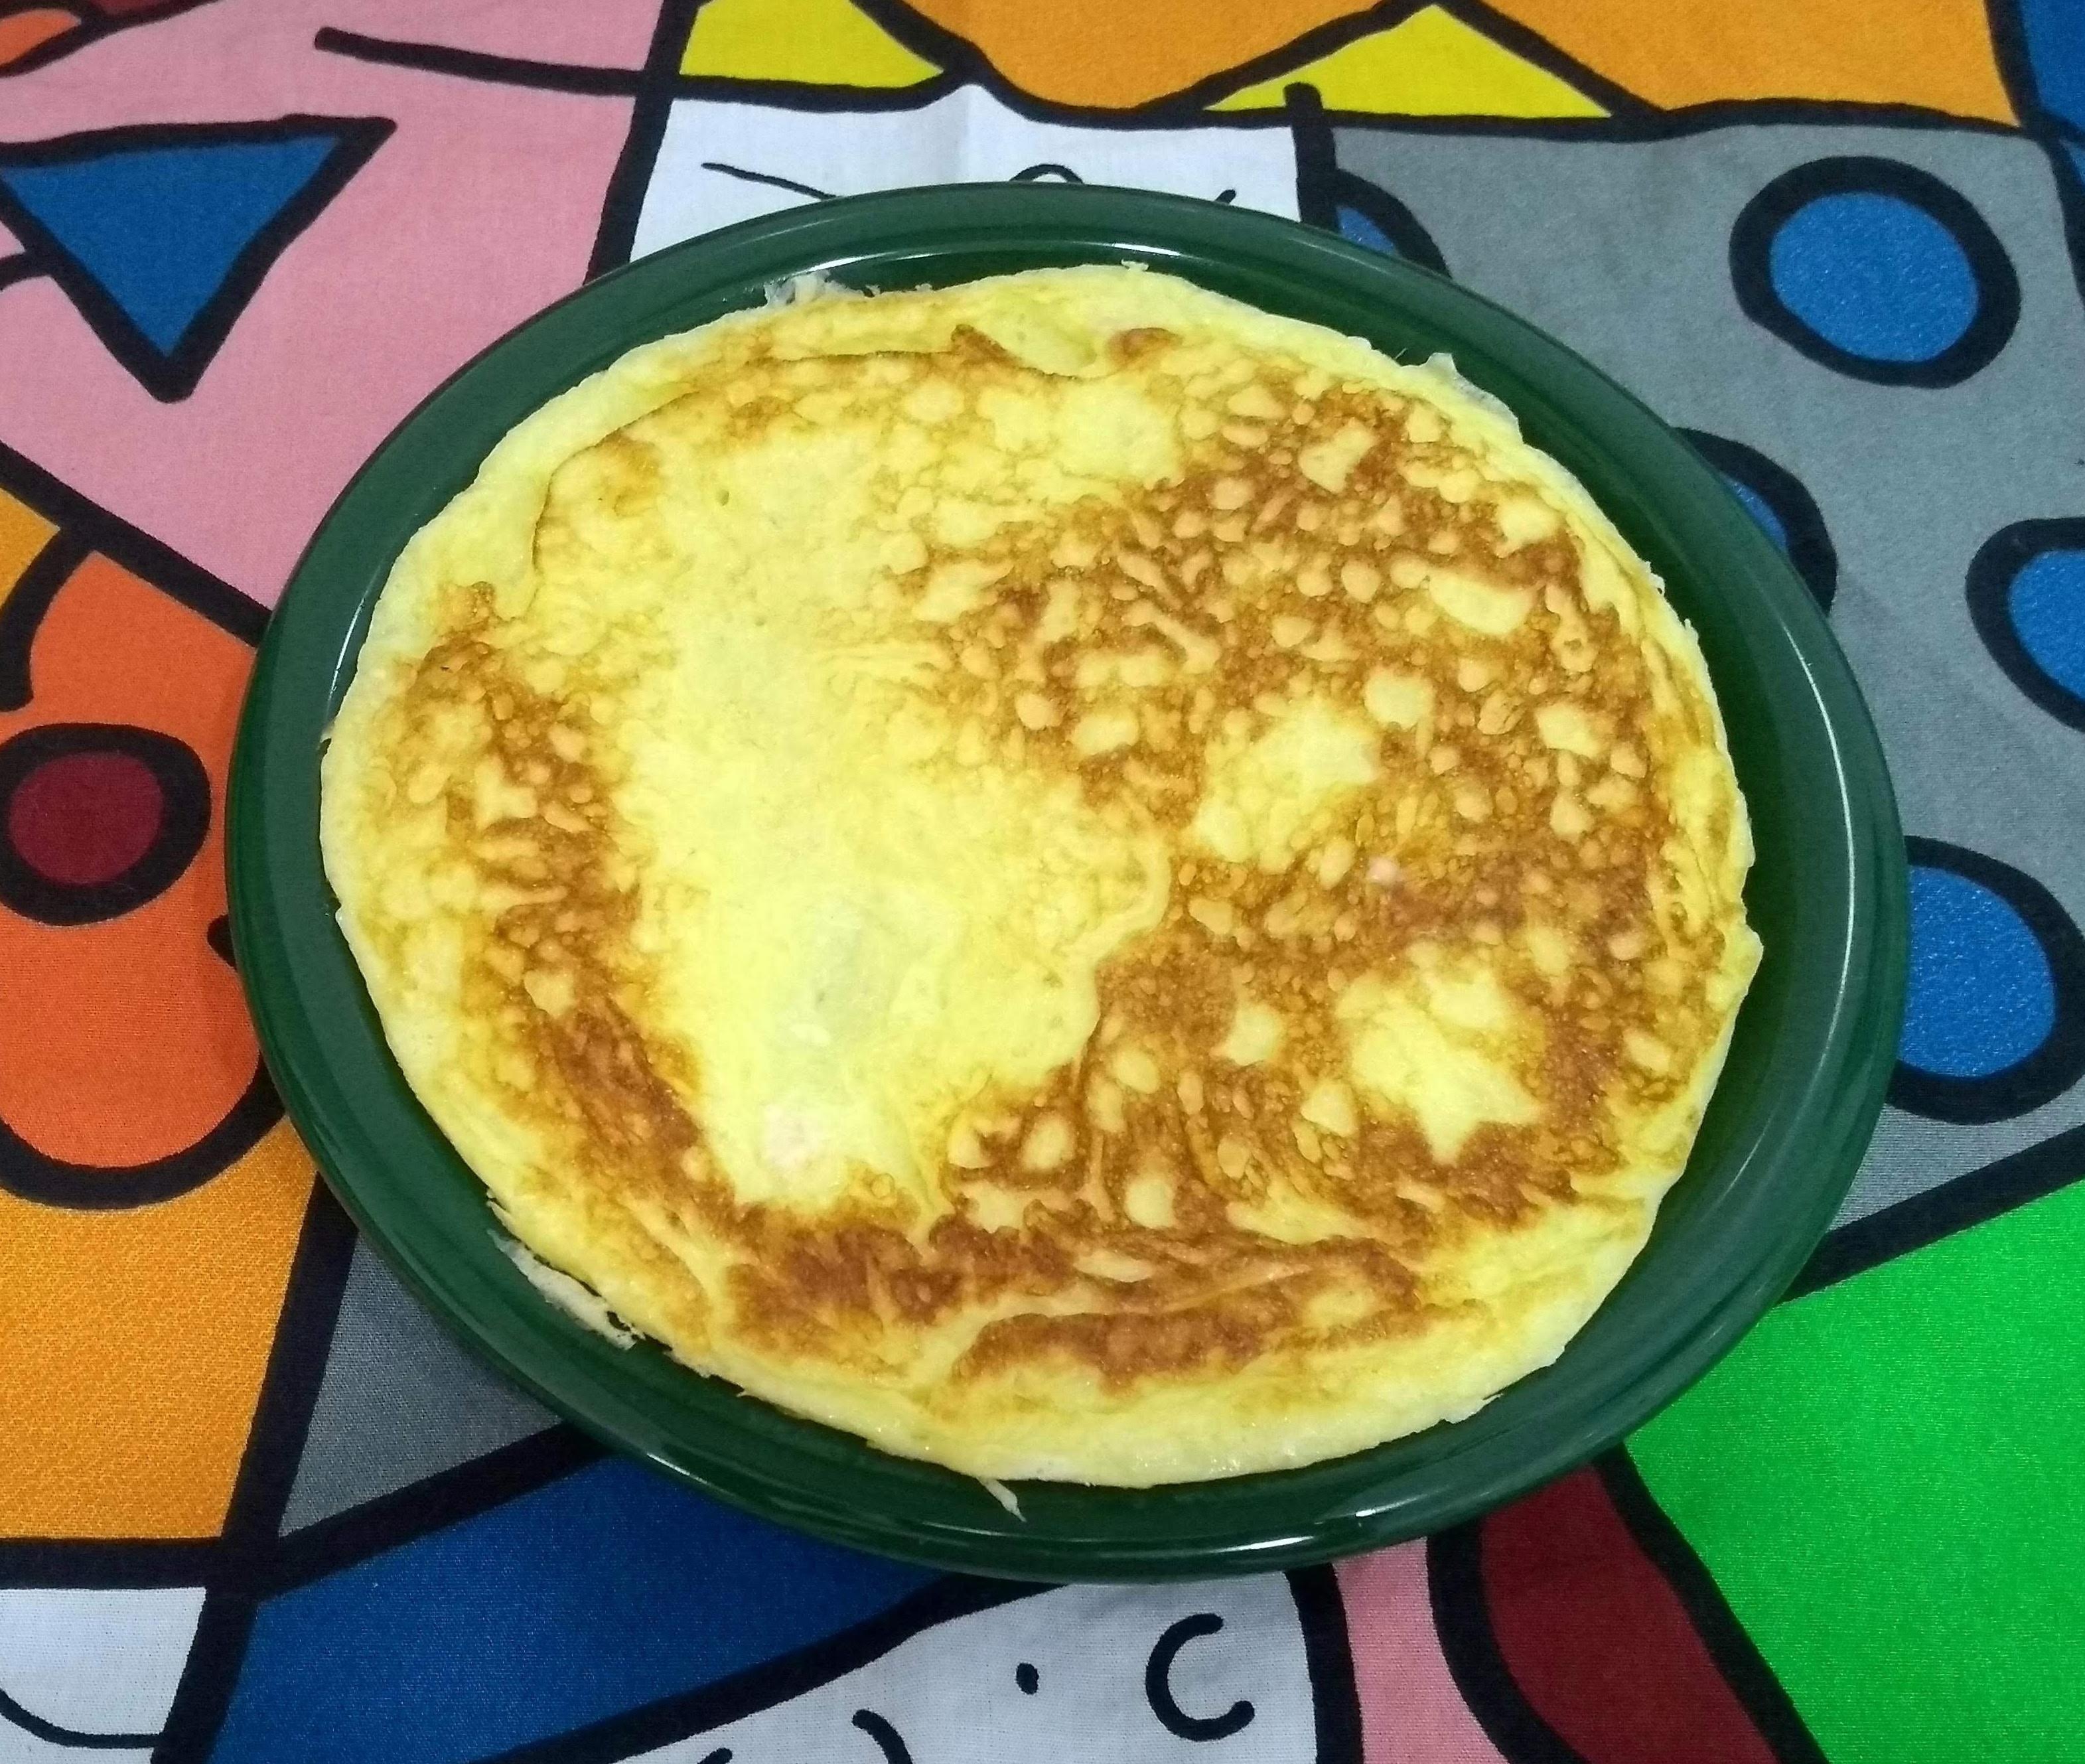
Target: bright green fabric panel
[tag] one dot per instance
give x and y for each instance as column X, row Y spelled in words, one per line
column 1888, row 1479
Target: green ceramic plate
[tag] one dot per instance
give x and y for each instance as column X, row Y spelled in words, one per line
column 1793, row 1113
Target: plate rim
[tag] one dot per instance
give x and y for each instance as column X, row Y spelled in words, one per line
column 1836, row 1114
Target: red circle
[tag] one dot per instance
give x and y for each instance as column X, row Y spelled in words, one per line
column 83, row 819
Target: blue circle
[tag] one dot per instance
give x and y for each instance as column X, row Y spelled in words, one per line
column 1874, row 275
column 2047, row 606
column 1982, row 996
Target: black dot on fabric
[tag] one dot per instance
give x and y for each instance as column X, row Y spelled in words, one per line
column 1030, row 1680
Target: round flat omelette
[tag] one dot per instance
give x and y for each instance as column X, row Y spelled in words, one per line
column 1076, row 879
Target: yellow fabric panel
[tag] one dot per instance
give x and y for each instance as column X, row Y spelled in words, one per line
column 806, row 42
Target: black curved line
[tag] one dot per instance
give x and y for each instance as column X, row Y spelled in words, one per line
column 24, row 608
column 52, row 1734
column 1328, row 1656
column 1158, row 1687
column 1998, row 562
column 1029, row 174
column 1462, row 1619
column 1810, row 547
column 1391, row 218
column 1735, row 1656
column 31, row 1175
column 18, row 266
column 2059, row 1061
column 740, row 172
column 889, row 1741
column 476, row 65
column 185, row 822
column 1997, row 283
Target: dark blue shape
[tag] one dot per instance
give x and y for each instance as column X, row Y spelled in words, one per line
column 1758, row 509
column 604, row 1591
column 1355, row 225
column 2055, row 34
column 159, row 229
column 1875, row 276
column 2047, row 607
column 1982, row 995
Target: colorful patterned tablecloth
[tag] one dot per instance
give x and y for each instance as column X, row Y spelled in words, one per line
column 255, row 1507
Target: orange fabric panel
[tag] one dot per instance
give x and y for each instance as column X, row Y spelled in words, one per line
column 22, row 31
column 137, row 1341
column 127, row 1040
column 1936, row 53
column 1110, row 56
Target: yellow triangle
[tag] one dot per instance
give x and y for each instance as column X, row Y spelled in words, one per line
column 1430, row 65
column 804, row 42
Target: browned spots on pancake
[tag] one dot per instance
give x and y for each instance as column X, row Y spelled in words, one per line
column 1287, row 561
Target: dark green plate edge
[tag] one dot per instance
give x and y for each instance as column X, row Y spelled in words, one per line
column 1784, row 1137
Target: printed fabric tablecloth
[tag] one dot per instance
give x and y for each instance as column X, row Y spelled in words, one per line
column 256, row 1508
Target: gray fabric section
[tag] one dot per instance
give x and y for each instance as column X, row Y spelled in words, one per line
column 1622, row 249
column 399, row 1401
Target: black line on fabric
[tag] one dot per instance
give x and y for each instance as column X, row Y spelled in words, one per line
column 19, row 266
column 744, row 177
column 2059, row 1060
column 52, row 1734
column 2009, row 50
column 152, row 560
column 282, row 1417
column 33, row 1174
column 649, row 109
column 696, row 1711
column 1291, row 57
column 325, row 1547
column 1810, row 547
column 1989, row 585
column 171, row 375
column 575, row 78
column 1537, row 50
column 795, row 95
column 1772, row 1712
column 1461, row 1618
column 1997, row 282
column 889, row 1741
column 1923, row 1220
column 1328, row 1654
column 217, row 935
column 22, row 610
column 2071, row 204
column 1317, row 166
column 99, row 1564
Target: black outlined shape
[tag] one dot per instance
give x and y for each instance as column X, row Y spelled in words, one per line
column 171, row 375
column 1158, row 1685
column 1997, row 282
column 1992, row 572
column 1738, row 1661
column 51, row 1734
column 185, row 822
column 2058, row 1062
column 1810, row 547
column 1469, row 1645
column 1323, row 186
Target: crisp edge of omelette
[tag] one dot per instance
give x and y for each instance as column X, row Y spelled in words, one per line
column 1276, row 1412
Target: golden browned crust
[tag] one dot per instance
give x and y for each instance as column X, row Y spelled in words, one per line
column 1403, row 731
